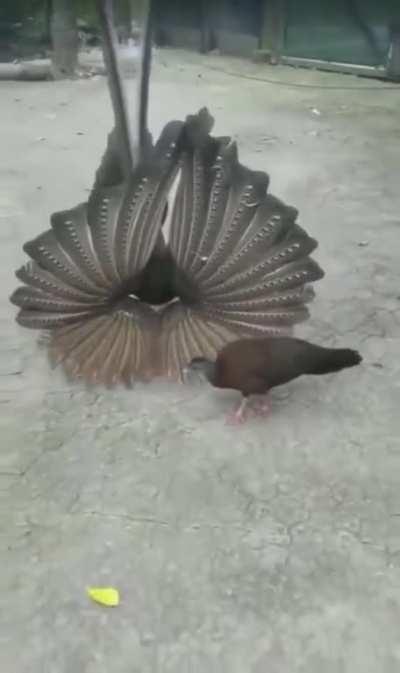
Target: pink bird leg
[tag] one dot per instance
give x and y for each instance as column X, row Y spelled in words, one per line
column 239, row 415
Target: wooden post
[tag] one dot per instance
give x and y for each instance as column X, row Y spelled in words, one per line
column 208, row 24
column 393, row 64
column 272, row 38
column 64, row 34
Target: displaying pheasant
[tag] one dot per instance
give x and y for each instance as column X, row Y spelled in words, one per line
column 120, row 299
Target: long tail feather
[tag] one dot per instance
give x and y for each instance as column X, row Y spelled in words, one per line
column 187, row 332
column 116, row 347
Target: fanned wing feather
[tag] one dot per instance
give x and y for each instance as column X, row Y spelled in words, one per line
column 245, row 196
column 199, row 155
column 222, row 196
column 35, row 299
column 238, row 246
column 94, row 250
column 287, row 277
column 49, row 254
column 45, row 320
column 139, row 222
column 259, row 320
column 34, row 275
column 272, row 225
column 103, row 211
column 73, row 234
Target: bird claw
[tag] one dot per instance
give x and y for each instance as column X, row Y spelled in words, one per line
column 235, row 418
column 261, row 408
column 258, row 407
column 238, row 416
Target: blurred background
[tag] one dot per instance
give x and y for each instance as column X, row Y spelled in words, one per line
column 345, row 35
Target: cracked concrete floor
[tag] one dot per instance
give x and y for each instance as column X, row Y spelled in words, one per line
column 275, row 547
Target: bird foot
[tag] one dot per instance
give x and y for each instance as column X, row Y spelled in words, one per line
column 261, row 407
column 235, row 418
column 239, row 415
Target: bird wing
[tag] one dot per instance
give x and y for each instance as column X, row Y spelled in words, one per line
column 80, row 267
column 239, row 248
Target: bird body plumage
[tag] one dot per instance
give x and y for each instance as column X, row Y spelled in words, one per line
column 254, row 366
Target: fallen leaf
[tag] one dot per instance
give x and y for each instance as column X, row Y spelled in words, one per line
column 107, row 596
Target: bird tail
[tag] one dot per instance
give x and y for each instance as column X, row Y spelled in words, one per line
column 329, row 360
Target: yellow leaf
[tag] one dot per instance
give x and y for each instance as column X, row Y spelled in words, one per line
column 104, row 595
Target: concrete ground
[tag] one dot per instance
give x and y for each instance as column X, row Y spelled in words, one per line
column 270, row 548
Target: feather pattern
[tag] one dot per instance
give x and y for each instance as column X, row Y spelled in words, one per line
column 102, row 217
column 33, row 275
column 47, row 252
column 75, row 238
column 139, row 222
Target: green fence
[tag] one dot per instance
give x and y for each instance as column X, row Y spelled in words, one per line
column 348, row 31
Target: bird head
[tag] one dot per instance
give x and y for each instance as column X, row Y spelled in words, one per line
column 201, row 366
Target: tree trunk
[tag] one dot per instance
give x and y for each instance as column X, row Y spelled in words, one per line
column 393, row 65
column 208, row 25
column 273, row 29
column 29, row 71
column 64, row 35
